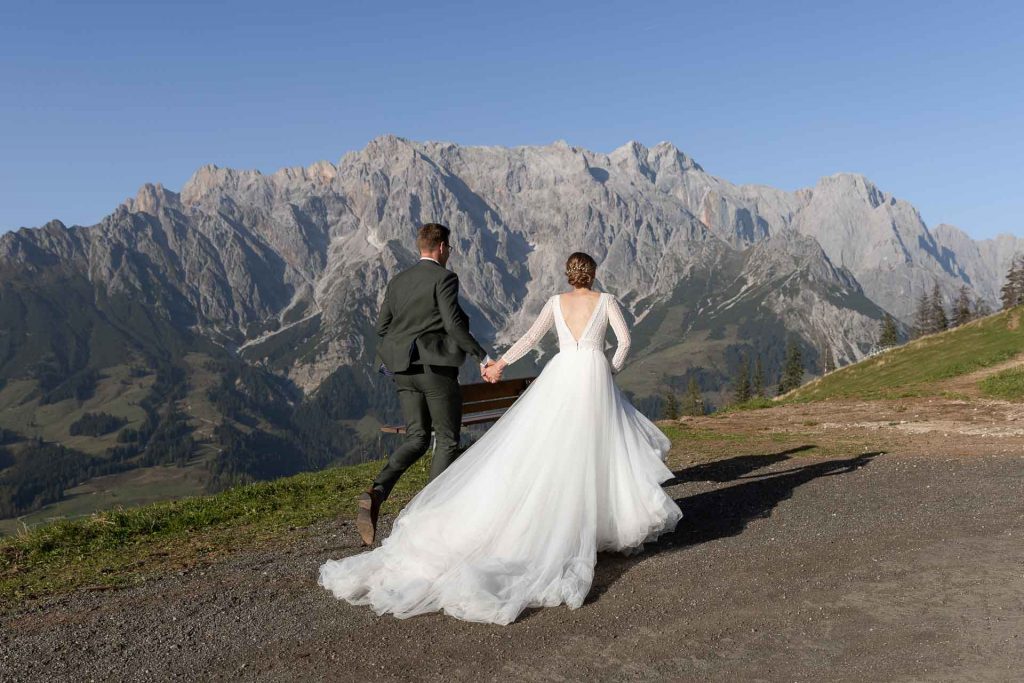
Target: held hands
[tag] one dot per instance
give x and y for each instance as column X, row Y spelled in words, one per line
column 492, row 371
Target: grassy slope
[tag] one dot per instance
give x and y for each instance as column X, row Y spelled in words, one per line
column 122, row 546
column 916, row 368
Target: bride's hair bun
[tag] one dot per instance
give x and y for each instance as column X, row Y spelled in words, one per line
column 581, row 269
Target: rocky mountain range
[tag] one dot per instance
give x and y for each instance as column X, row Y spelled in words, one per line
column 281, row 275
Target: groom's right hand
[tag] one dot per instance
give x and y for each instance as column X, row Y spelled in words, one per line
column 492, row 373
column 483, row 368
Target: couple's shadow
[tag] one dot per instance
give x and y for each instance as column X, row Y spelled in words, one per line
column 726, row 511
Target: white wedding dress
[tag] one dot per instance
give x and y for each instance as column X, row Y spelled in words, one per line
column 572, row 468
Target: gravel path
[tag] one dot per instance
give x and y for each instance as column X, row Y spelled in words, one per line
column 786, row 567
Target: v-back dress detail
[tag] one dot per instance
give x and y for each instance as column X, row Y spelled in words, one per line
column 572, row 468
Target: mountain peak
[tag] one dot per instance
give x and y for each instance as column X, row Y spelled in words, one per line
column 667, row 151
column 854, row 184
column 631, row 148
column 388, row 141
column 848, row 178
column 54, row 226
column 149, row 199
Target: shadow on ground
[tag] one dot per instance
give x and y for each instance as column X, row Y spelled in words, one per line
column 726, row 511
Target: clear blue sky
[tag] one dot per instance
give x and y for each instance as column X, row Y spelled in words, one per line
column 925, row 98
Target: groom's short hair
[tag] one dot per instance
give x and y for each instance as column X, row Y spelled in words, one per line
column 431, row 236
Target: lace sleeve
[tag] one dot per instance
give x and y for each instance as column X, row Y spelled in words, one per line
column 618, row 324
column 533, row 335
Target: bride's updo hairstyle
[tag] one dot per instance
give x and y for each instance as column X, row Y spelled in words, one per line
column 580, row 270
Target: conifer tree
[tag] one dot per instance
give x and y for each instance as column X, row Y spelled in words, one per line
column 1012, row 293
column 694, row 400
column 1018, row 279
column 671, row 411
column 889, row 336
column 794, row 365
column 742, row 384
column 923, row 316
column 793, row 372
column 981, row 308
column 1007, row 294
column 962, row 312
column 939, row 321
column 758, row 389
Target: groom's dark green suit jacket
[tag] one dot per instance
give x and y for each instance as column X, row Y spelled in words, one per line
column 422, row 322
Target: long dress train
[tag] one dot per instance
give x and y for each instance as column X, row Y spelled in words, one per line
column 572, row 468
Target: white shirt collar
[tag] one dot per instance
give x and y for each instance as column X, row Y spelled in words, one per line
column 427, row 258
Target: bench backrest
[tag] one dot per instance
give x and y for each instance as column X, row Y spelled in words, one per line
column 485, row 397
column 482, row 402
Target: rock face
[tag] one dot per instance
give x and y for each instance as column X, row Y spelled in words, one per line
column 287, row 270
column 983, row 264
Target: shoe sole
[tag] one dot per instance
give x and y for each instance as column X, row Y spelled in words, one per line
column 364, row 519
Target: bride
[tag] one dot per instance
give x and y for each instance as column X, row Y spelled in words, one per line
column 517, row 521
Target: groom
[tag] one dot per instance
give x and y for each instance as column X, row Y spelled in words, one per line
column 422, row 339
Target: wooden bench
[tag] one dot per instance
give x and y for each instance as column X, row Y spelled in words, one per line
column 482, row 402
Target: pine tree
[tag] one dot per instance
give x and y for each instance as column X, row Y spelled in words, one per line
column 671, row 411
column 793, row 372
column 889, row 336
column 794, row 365
column 742, row 384
column 962, row 312
column 1012, row 293
column 694, row 404
column 1018, row 279
column 758, row 377
column 981, row 308
column 923, row 316
column 1007, row 294
column 939, row 321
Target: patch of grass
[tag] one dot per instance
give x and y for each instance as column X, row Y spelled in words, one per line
column 784, row 437
column 678, row 432
column 1007, row 385
column 914, row 393
column 756, row 403
column 956, row 395
column 123, row 546
column 914, row 368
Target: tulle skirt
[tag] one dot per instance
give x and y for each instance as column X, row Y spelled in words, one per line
column 572, row 468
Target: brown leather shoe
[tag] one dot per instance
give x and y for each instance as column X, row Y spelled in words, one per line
column 366, row 519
